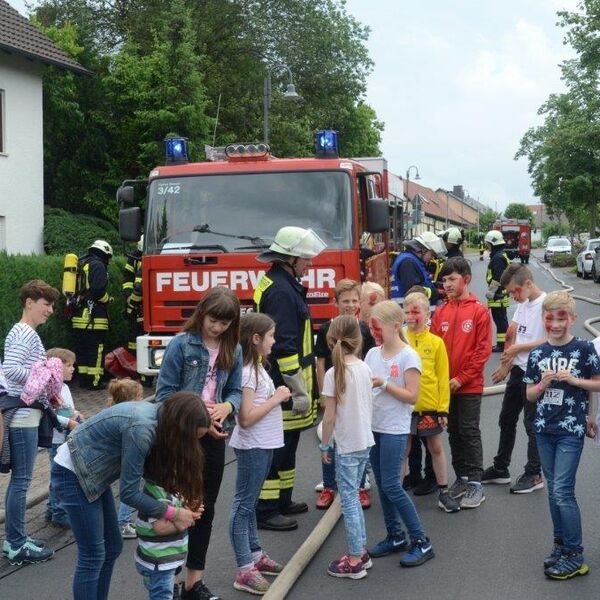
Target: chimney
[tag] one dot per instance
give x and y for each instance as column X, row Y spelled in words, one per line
column 459, row 191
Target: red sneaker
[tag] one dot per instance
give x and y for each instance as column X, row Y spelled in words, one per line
column 325, row 499
column 343, row 568
column 365, row 498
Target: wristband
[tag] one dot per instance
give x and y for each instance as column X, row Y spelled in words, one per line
column 170, row 513
column 325, row 447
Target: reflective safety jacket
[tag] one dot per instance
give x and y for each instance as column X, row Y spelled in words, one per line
column 93, row 314
column 408, row 270
column 498, row 263
column 132, row 287
column 282, row 297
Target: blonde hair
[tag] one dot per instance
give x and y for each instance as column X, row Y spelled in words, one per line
column 124, row 390
column 65, row 355
column 418, row 298
column 390, row 313
column 370, row 287
column 559, row 300
column 343, row 337
column 346, row 285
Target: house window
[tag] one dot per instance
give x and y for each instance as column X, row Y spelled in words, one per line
column 2, row 234
column 2, row 121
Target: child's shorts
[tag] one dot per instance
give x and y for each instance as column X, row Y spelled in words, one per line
column 425, row 424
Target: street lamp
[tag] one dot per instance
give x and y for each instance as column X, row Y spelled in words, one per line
column 289, row 94
column 417, row 178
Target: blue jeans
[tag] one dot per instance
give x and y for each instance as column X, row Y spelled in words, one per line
column 23, row 450
column 329, row 481
column 97, row 534
column 158, row 583
column 560, row 456
column 350, row 469
column 387, row 456
column 54, row 510
column 124, row 514
column 252, row 469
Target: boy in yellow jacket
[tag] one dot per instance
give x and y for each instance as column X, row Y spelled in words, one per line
column 430, row 414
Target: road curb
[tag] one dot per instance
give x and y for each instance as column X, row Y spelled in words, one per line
column 31, row 501
column 299, row 561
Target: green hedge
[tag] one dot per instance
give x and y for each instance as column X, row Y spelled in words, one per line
column 563, row 260
column 16, row 270
column 65, row 232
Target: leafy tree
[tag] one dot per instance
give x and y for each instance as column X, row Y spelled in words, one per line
column 554, row 229
column 487, row 219
column 518, row 211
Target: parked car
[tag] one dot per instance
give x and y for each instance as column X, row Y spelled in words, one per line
column 596, row 264
column 585, row 259
column 556, row 246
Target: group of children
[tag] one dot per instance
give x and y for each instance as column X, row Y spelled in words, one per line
column 388, row 376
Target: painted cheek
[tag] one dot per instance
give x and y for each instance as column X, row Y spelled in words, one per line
column 460, row 286
column 376, row 331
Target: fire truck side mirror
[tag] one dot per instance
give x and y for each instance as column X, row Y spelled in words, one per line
column 130, row 224
column 378, row 220
column 125, row 195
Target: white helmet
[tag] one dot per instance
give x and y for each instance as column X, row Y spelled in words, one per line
column 494, row 238
column 104, row 247
column 453, row 235
column 432, row 242
column 294, row 241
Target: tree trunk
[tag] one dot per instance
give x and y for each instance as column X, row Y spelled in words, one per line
column 593, row 218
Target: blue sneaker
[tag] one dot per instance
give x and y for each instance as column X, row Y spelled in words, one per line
column 392, row 543
column 554, row 556
column 30, row 554
column 420, row 551
column 6, row 546
column 570, row 564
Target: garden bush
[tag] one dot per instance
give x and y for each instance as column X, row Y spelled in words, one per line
column 16, row 270
column 563, row 260
column 66, row 232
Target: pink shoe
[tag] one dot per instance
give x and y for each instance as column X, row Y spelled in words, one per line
column 343, row 568
column 251, row 581
column 267, row 566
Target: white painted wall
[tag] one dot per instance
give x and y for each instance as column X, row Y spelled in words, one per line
column 21, row 163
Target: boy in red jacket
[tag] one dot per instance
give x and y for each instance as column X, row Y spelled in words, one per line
column 465, row 326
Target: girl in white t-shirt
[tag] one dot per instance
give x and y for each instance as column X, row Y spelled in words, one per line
column 397, row 375
column 347, row 390
column 258, row 431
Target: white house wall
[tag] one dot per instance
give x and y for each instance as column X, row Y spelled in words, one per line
column 21, row 163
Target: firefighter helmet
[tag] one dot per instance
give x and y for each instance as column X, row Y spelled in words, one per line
column 452, row 235
column 103, row 247
column 494, row 238
column 293, row 241
column 432, row 242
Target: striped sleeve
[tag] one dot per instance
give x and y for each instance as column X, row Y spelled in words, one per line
column 22, row 348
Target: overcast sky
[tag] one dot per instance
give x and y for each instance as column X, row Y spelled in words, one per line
column 457, row 84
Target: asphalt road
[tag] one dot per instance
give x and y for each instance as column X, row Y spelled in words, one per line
column 493, row 552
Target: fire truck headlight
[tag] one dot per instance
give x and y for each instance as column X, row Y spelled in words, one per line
column 326, row 144
column 157, row 357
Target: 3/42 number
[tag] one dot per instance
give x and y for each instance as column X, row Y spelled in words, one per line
column 168, row 188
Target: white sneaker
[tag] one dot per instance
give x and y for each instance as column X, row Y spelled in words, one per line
column 128, row 531
column 319, row 487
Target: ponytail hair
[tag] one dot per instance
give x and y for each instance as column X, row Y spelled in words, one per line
column 390, row 313
column 343, row 338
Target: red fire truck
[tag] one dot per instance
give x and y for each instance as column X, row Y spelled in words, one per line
column 204, row 224
column 517, row 234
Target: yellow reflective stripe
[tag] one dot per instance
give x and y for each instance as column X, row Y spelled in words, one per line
column 105, row 298
column 269, row 494
column 271, row 484
column 128, row 285
column 129, row 267
column 264, row 284
column 98, row 371
column 501, row 337
column 287, row 479
column 289, row 363
column 132, row 346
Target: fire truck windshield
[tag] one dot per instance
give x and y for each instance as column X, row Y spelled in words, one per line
column 242, row 212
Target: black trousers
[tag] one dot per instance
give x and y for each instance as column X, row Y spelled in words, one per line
column 415, row 458
column 89, row 348
column 501, row 323
column 464, row 435
column 199, row 533
column 513, row 402
column 277, row 490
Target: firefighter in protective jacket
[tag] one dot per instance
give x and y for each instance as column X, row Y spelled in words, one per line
column 280, row 294
column 90, row 317
column 497, row 296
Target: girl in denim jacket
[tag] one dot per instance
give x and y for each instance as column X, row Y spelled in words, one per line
column 205, row 358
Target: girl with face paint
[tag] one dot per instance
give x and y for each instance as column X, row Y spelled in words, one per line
column 397, row 373
column 430, row 415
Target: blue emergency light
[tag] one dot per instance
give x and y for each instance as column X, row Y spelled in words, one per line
column 326, row 144
column 176, row 150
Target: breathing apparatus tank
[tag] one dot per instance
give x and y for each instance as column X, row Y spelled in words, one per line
column 69, row 282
